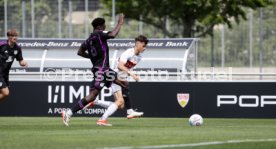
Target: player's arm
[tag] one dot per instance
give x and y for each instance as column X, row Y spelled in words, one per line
column 122, row 67
column 1, row 55
column 23, row 63
column 116, row 30
column 20, row 59
column 83, row 51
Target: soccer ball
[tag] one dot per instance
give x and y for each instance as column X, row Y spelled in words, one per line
column 195, row 120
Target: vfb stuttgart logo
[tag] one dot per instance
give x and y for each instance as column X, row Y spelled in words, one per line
column 183, row 99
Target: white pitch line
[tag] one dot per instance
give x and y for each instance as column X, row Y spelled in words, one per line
column 195, row 144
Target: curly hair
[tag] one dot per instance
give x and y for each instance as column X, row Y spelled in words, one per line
column 97, row 22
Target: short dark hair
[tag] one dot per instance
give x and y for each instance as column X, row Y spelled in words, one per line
column 142, row 38
column 12, row 32
column 97, row 22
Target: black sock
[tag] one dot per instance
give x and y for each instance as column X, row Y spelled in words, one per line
column 127, row 103
column 78, row 106
column 126, row 98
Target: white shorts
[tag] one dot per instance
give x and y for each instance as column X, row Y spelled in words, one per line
column 115, row 88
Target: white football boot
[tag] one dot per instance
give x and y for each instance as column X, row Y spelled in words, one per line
column 134, row 114
column 65, row 117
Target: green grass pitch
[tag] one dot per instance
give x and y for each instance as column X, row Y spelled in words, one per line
column 83, row 133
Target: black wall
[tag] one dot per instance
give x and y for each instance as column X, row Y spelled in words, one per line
column 240, row 99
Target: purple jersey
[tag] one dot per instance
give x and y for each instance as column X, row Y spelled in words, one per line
column 7, row 56
column 98, row 50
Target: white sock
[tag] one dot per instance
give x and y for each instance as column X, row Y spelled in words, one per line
column 110, row 110
column 104, row 104
column 129, row 111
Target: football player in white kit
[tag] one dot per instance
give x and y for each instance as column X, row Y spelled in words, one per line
column 128, row 59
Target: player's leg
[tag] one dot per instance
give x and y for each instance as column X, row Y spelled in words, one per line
column 97, row 84
column 102, row 103
column 108, row 83
column 4, row 93
column 125, row 91
column 118, row 104
column 94, row 91
column 106, row 104
column 83, row 102
column 66, row 115
column 130, row 112
column 4, row 87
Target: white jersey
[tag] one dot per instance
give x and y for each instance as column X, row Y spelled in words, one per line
column 129, row 58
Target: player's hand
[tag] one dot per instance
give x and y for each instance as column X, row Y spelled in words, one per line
column 135, row 77
column 121, row 19
column 23, row 63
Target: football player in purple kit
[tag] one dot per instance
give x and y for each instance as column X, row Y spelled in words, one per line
column 95, row 48
column 126, row 62
column 9, row 50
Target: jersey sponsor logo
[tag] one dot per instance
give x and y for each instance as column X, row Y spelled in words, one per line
column 10, row 59
column 183, row 99
column 130, row 64
column 15, row 52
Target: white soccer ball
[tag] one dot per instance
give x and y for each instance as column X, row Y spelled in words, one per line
column 195, row 120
